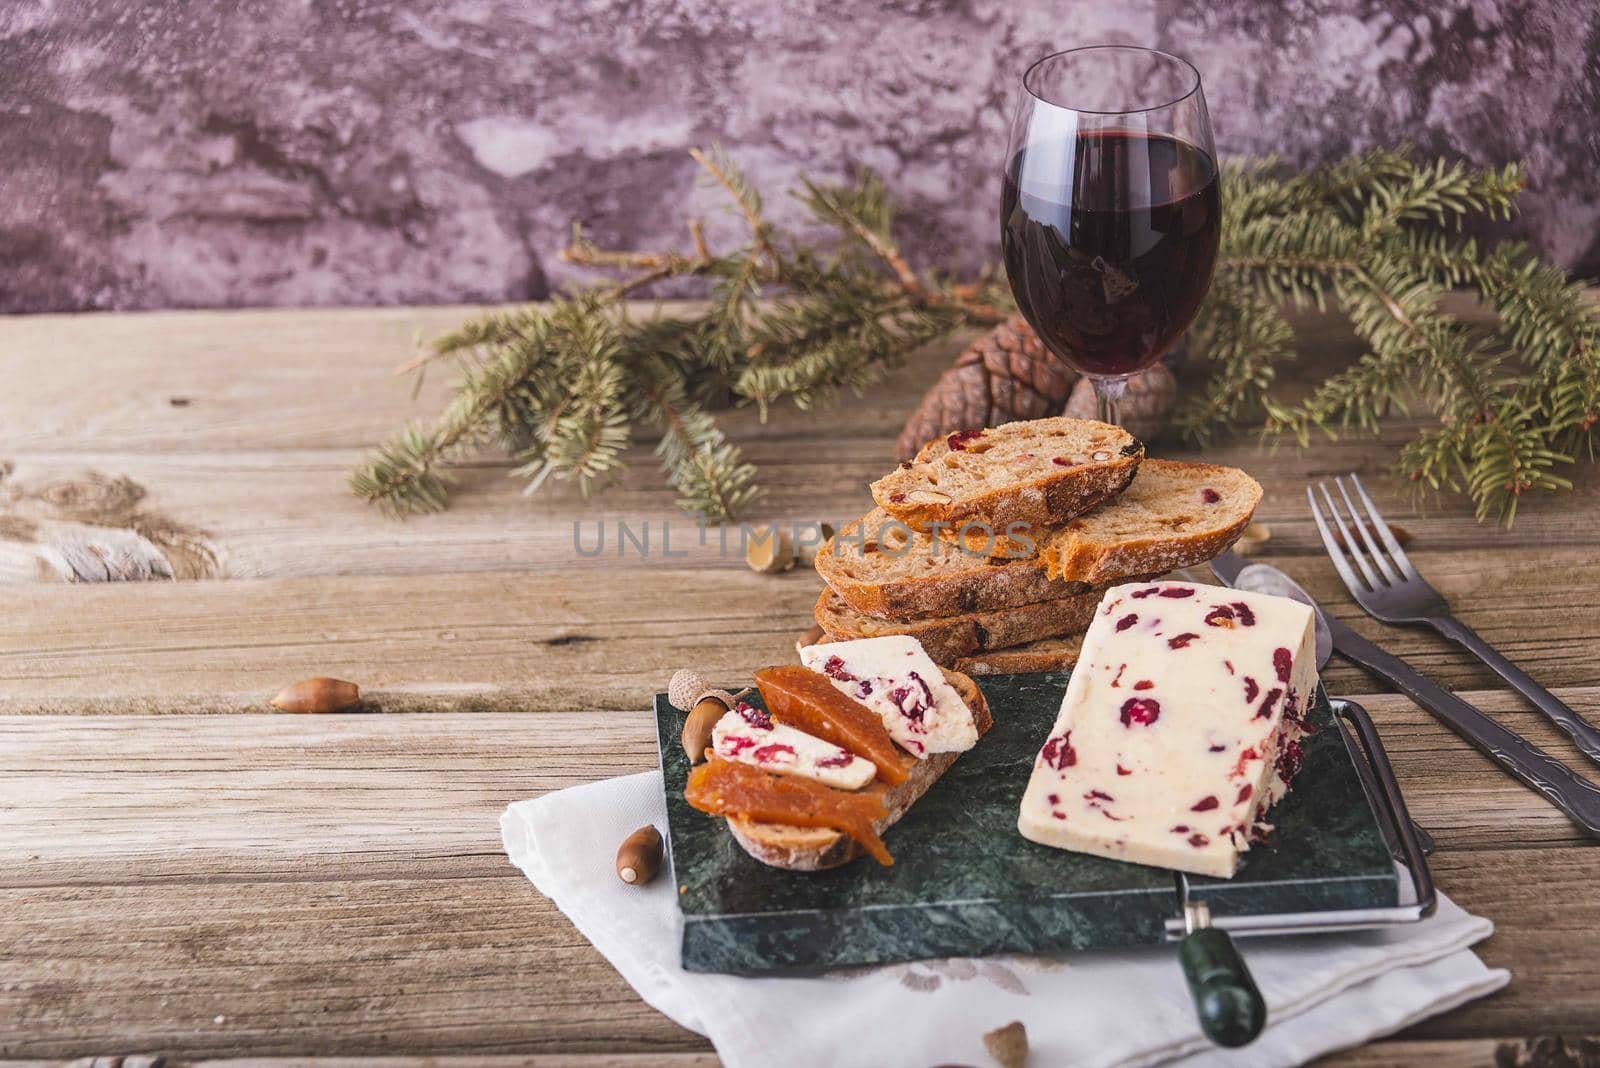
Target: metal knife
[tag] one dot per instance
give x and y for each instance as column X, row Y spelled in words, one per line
column 1559, row 784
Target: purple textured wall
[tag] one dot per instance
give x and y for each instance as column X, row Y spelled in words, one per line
column 377, row 151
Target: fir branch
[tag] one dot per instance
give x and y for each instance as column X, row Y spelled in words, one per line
column 1344, row 184
column 578, row 433
column 708, row 472
column 1375, row 236
column 862, row 211
column 403, row 475
column 1498, row 438
column 1441, row 193
column 746, row 198
column 1243, row 337
column 810, row 350
column 652, row 266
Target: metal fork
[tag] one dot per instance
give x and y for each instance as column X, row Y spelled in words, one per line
column 1394, row 592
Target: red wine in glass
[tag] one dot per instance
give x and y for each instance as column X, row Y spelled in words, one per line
column 1110, row 212
column 1108, row 284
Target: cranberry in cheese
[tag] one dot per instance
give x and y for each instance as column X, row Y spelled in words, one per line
column 1179, row 729
column 894, row 677
column 748, row 735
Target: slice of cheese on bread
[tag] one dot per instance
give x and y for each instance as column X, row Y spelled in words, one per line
column 817, row 848
column 748, row 735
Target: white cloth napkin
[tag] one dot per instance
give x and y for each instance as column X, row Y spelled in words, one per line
column 1123, row 1007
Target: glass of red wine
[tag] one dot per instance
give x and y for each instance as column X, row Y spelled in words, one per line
column 1110, row 214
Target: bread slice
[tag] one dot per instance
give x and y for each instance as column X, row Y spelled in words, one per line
column 1161, row 522
column 879, row 567
column 1173, row 515
column 1035, row 473
column 973, row 632
column 784, row 845
column 1046, row 654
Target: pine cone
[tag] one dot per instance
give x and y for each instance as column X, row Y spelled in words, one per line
column 1005, row 375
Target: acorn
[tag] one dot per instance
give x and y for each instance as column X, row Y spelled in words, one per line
column 697, row 728
column 1254, row 538
column 639, row 856
column 771, row 551
column 807, row 548
column 320, row 694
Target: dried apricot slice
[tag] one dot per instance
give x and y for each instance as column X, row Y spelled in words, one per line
column 807, row 701
column 723, row 788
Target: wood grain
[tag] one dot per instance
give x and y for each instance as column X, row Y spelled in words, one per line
column 287, row 513
column 263, row 797
column 273, row 379
column 374, row 966
column 237, row 430
column 535, row 641
column 268, row 887
column 334, row 884
column 277, row 796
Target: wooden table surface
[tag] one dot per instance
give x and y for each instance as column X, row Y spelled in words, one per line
column 184, row 872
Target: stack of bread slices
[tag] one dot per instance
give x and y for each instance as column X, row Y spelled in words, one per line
column 991, row 547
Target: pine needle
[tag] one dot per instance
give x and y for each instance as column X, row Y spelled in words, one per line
column 1376, row 236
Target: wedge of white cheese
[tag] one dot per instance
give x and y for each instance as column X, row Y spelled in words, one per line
column 747, row 734
column 1179, row 728
column 894, row 677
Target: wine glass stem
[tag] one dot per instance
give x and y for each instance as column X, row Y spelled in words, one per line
column 1108, row 399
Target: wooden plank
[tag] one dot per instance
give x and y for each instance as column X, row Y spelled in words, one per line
column 608, row 638
column 371, row 967
column 162, row 871
column 1546, row 917
column 130, row 799
column 264, row 797
column 1462, row 1053
column 461, row 965
column 1459, row 1053
column 287, row 512
column 185, row 380
column 217, row 443
column 442, row 643
column 304, row 378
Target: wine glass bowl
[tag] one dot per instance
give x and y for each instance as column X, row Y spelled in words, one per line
column 1110, row 208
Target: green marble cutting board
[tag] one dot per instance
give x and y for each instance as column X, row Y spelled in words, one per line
column 965, row 883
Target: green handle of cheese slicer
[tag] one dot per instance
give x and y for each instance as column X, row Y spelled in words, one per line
column 1231, row 1009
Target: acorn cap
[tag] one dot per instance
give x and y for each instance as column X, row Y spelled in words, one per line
column 684, row 691
column 689, row 688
